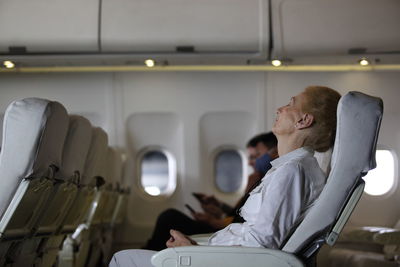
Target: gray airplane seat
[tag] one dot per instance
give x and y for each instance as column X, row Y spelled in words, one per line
column 75, row 147
column 368, row 246
column 88, row 181
column 359, row 118
column 89, row 237
column 103, row 196
column 100, row 230
column 33, row 137
column 75, row 151
column 76, row 246
column 115, row 172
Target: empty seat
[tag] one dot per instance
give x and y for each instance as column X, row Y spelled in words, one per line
column 103, row 194
column 100, row 229
column 368, row 246
column 76, row 247
column 34, row 133
column 75, row 151
column 87, row 182
column 114, row 172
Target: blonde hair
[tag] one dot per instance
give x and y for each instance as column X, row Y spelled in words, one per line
column 321, row 102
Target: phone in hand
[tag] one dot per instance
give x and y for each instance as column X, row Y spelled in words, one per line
column 199, row 197
column 190, row 208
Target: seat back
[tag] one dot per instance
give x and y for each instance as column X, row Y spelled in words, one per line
column 86, row 194
column 358, row 121
column 33, row 137
column 75, row 150
column 98, row 172
column 94, row 166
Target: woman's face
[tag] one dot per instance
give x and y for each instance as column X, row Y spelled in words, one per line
column 288, row 116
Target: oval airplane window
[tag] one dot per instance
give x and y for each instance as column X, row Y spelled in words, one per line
column 228, row 170
column 158, row 172
column 380, row 180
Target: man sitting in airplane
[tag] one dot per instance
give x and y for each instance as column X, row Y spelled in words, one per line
column 217, row 214
column 288, row 190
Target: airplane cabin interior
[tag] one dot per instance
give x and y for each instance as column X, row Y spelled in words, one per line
column 115, row 111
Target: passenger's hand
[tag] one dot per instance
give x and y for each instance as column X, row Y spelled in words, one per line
column 206, row 199
column 178, row 239
column 213, row 210
column 211, row 200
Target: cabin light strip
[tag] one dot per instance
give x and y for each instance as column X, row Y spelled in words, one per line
column 243, row 68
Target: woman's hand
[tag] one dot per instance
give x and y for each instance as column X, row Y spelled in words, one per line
column 178, row 239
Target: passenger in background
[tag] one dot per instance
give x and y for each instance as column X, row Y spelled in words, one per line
column 282, row 199
column 217, row 214
column 267, row 150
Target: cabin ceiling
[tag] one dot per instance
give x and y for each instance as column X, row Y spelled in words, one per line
column 207, row 32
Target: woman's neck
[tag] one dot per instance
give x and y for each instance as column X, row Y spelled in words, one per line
column 289, row 143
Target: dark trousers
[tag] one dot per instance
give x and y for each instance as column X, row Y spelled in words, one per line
column 174, row 219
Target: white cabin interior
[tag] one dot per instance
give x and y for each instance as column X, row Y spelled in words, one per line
column 88, row 55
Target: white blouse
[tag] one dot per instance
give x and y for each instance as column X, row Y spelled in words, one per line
column 278, row 204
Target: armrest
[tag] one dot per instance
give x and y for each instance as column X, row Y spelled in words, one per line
column 387, row 237
column 205, row 256
column 201, row 239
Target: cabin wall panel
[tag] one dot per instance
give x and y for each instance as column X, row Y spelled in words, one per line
column 223, row 129
column 190, row 96
column 152, row 129
column 85, row 94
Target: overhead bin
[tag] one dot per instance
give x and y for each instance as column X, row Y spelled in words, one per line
column 210, row 26
column 340, row 27
column 49, row 26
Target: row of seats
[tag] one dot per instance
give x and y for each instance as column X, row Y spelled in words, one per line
column 368, row 246
column 59, row 178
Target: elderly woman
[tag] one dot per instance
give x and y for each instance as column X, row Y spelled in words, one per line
column 287, row 191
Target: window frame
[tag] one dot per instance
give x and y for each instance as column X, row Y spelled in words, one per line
column 245, row 170
column 172, row 171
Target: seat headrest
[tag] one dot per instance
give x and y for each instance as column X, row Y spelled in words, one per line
column 96, row 157
column 76, row 147
column 358, row 121
column 33, row 136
